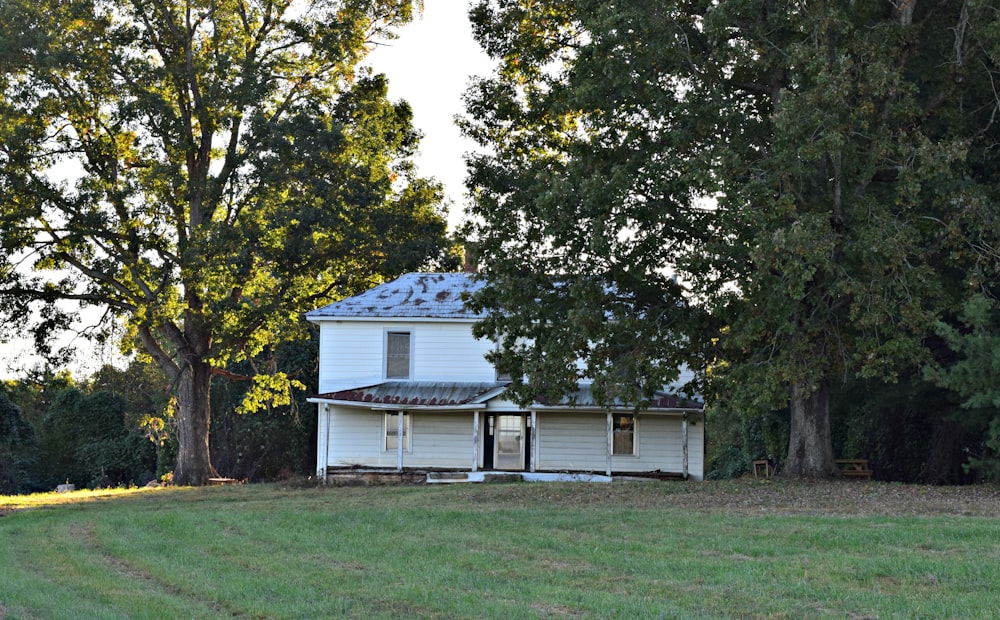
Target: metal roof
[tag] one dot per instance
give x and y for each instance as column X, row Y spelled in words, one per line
column 583, row 398
column 419, row 393
column 446, row 394
column 414, row 295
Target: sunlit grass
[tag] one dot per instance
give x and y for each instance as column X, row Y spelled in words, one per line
column 54, row 498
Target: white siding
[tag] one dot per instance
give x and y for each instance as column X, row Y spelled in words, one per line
column 578, row 442
column 353, row 352
column 439, row 440
column 442, row 440
column 500, row 405
column 356, row 438
column 349, row 351
column 322, row 443
column 696, row 446
column 448, row 352
column 571, row 441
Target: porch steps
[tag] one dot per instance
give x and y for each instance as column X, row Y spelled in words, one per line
column 445, row 477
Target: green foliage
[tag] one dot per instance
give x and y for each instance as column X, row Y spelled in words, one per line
column 974, row 375
column 278, row 440
column 910, row 431
column 35, row 390
column 17, row 443
column 811, row 173
column 88, row 443
column 737, row 439
column 118, row 426
column 585, row 196
column 151, row 410
column 97, row 433
column 228, row 164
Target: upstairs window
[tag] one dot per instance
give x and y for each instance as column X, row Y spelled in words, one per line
column 623, row 435
column 397, row 355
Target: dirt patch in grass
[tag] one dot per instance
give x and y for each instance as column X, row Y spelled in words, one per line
column 759, row 497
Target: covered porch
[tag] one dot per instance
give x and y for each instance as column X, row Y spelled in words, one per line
column 449, row 432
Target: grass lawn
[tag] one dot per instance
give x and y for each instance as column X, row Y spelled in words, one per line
column 516, row 550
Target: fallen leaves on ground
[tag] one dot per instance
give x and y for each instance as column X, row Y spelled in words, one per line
column 760, row 497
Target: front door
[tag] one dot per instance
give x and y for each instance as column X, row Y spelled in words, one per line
column 509, row 443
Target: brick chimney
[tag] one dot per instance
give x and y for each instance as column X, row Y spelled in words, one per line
column 469, row 262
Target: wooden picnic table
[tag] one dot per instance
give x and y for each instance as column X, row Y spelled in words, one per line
column 854, row 468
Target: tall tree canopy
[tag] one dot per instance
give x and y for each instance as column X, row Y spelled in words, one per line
column 846, row 151
column 205, row 170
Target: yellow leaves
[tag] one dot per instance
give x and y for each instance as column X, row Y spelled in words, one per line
column 155, row 428
column 269, row 390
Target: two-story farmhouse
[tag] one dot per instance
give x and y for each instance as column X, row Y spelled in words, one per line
column 405, row 386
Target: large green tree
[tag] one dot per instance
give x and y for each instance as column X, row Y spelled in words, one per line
column 204, row 170
column 586, row 195
column 835, row 140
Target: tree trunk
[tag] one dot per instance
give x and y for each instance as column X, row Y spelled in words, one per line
column 810, row 447
column 194, row 466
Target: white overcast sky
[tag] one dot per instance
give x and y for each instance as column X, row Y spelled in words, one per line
column 429, row 66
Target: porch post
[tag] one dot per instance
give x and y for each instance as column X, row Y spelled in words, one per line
column 684, row 443
column 323, row 439
column 610, row 443
column 399, row 439
column 534, row 439
column 475, row 440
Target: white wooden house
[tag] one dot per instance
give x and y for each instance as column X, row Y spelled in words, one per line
column 404, row 386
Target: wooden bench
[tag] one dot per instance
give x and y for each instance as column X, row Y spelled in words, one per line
column 854, row 468
column 762, row 468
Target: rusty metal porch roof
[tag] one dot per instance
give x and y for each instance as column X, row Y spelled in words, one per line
column 419, row 393
column 449, row 394
column 583, row 398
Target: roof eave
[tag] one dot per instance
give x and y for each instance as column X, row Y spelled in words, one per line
column 617, row 409
column 394, row 319
column 396, row 406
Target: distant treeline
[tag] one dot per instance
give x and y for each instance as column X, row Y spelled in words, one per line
column 910, row 431
column 117, row 428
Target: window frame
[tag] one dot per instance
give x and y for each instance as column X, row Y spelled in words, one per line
column 617, row 428
column 409, row 353
column 394, row 427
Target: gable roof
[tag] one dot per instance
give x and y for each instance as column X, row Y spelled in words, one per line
column 414, row 295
